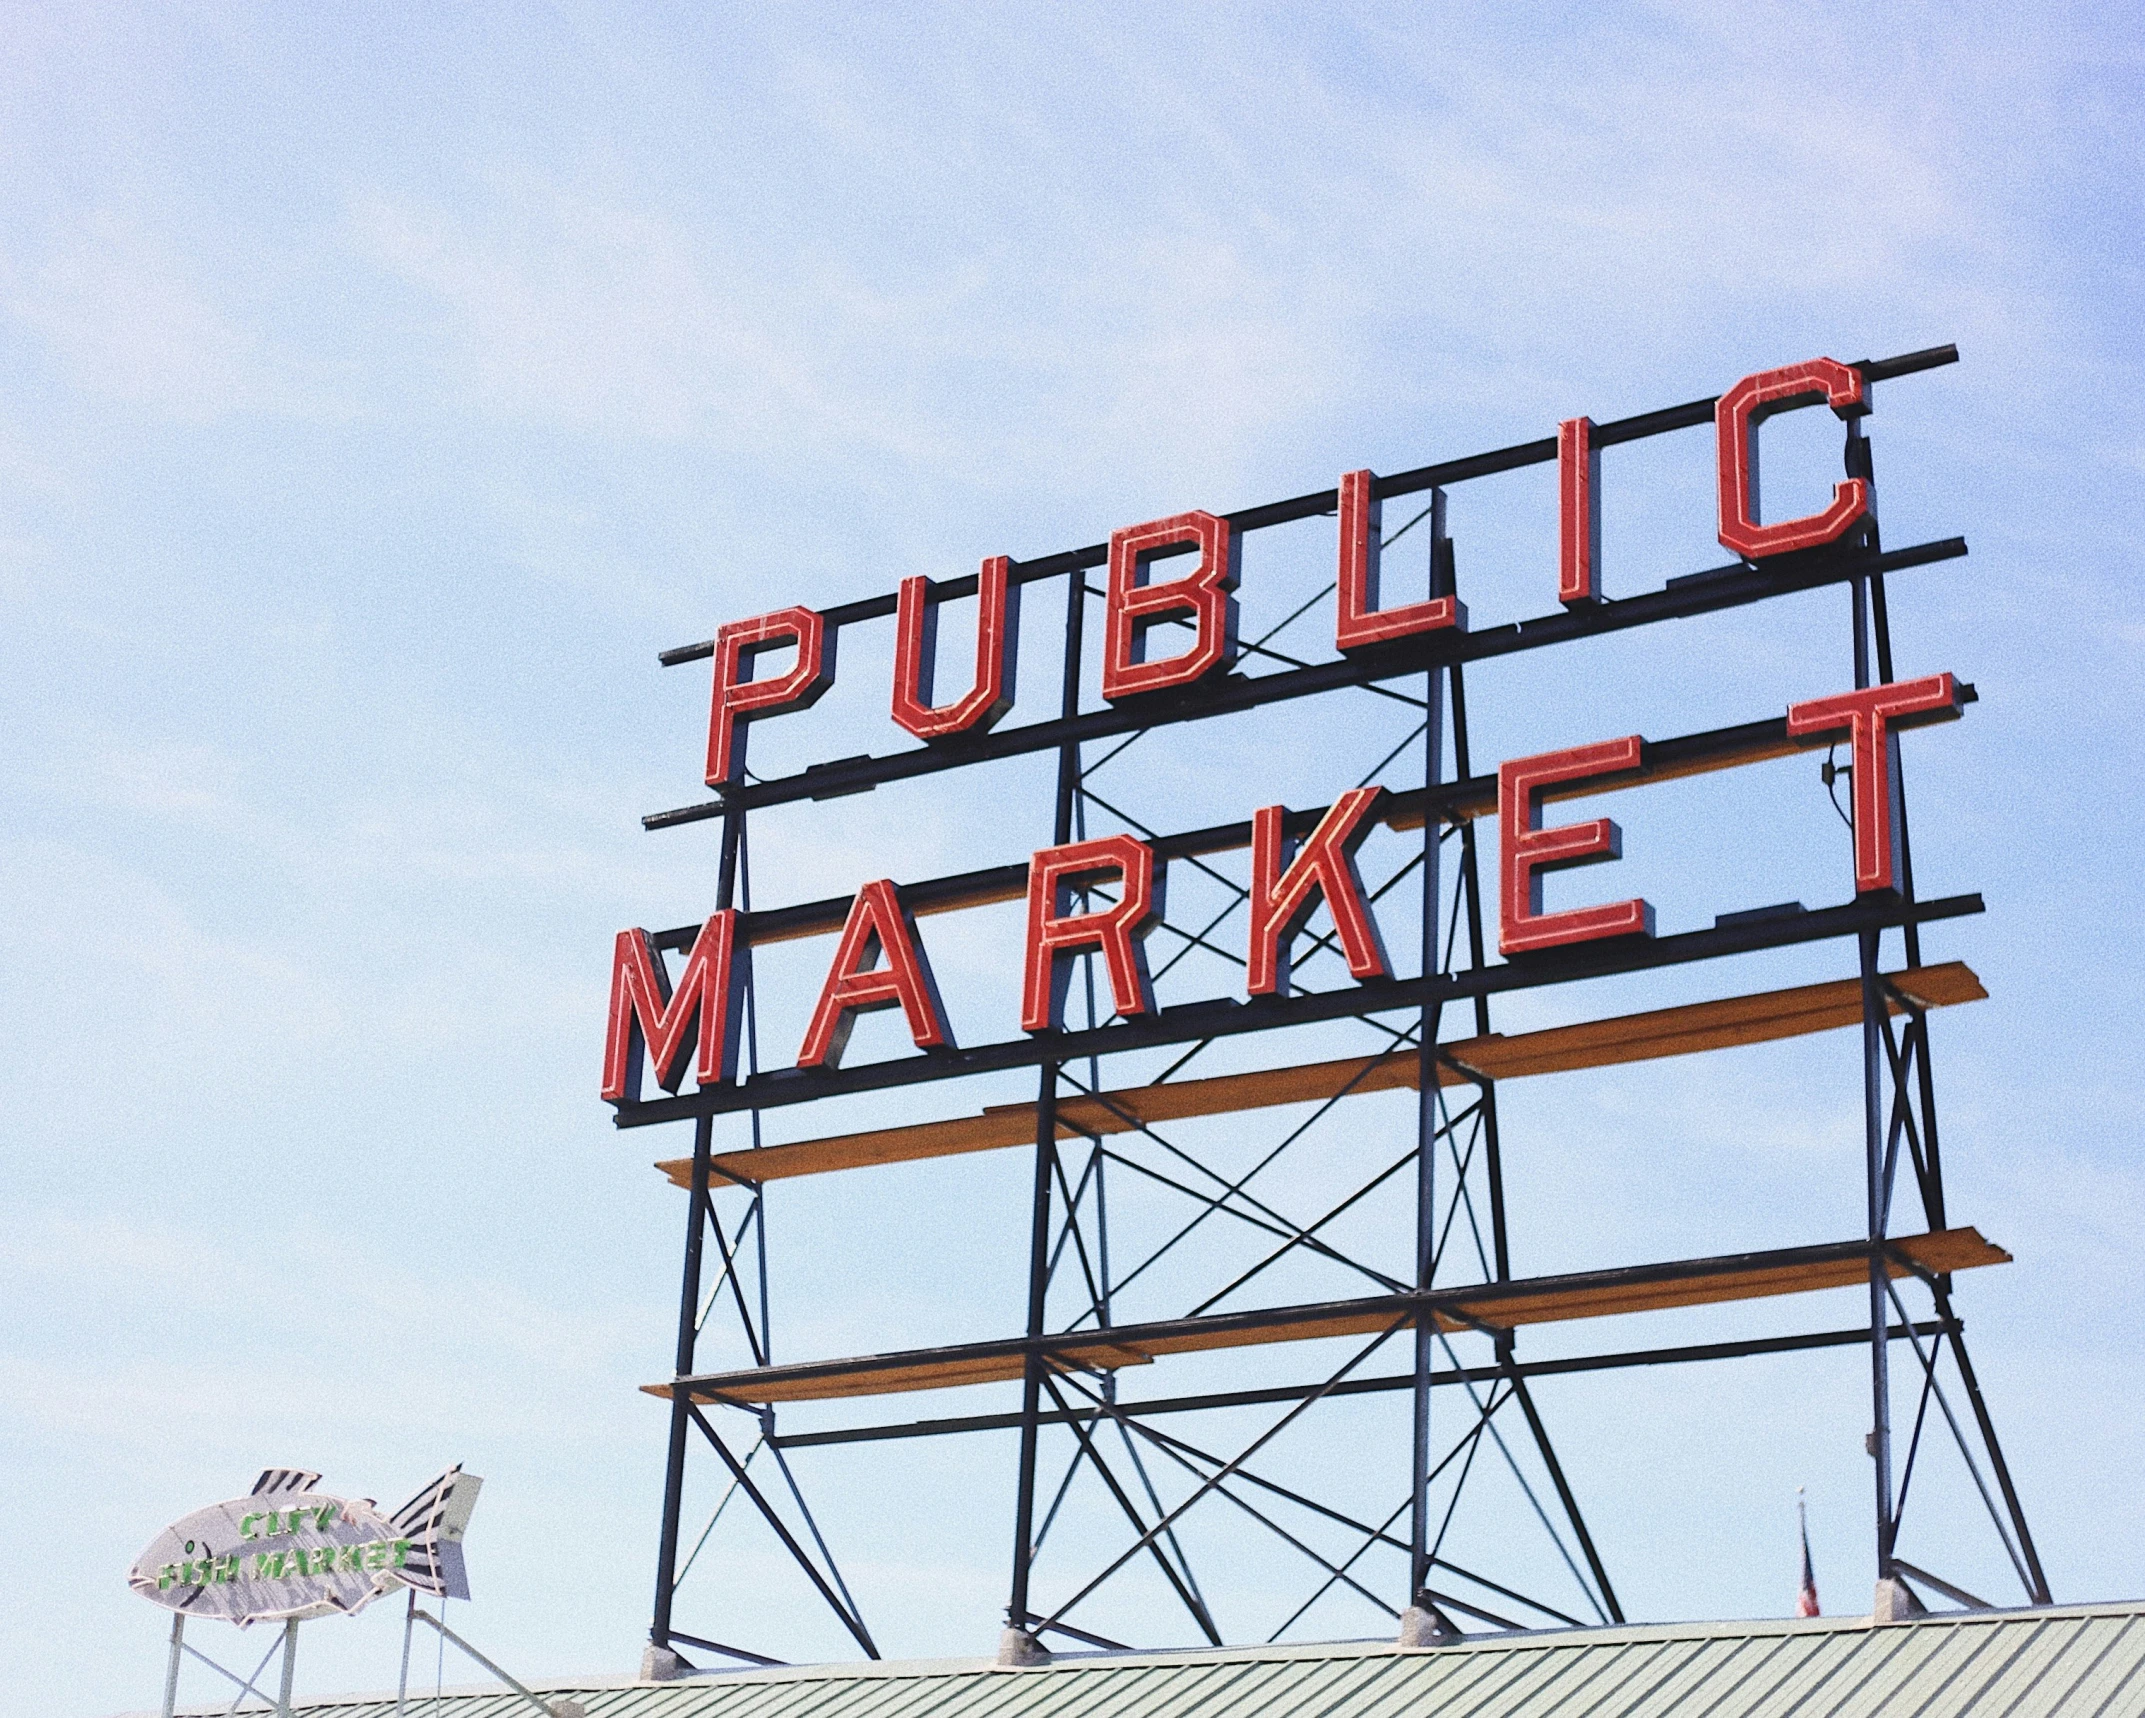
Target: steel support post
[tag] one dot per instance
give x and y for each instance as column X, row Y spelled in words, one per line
column 1861, row 462
column 1470, row 886
column 409, row 1629
column 1876, row 1168
column 733, row 835
column 1046, row 1149
column 1478, row 957
column 680, row 1402
column 171, row 1667
column 290, row 1667
column 1426, row 1101
column 1046, row 1128
column 1878, row 1171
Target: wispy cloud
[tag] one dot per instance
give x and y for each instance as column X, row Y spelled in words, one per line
column 126, row 316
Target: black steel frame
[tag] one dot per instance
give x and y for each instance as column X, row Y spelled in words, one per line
column 1116, row 1440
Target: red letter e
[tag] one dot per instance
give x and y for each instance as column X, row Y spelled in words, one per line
column 1526, row 850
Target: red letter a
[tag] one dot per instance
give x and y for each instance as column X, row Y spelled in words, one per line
column 878, row 924
column 1117, row 930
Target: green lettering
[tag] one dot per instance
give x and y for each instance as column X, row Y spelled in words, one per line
column 167, row 1577
column 224, row 1569
column 324, row 1516
column 401, row 1550
column 248, row 1527
column 352, row 1557
column 268, row 1565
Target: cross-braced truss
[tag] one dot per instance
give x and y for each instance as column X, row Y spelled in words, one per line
column 1152, row 1235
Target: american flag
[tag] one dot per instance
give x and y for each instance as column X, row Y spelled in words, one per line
column 1805, row 1600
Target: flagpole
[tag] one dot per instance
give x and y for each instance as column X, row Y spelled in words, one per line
column 1806, row 1604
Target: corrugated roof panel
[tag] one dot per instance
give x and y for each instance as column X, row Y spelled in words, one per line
column 1201, row 1691
column 2007, row 1672
column 2073, row 1652
column 2117, row 1671
column 1301, row 1689
column 1456, row 1684
column 1402, row 1685
column 1805, row 1679
column 1091, row 1694
column 968, row 1695
column 1622, row 1681
column 2078, row 1663
column 974, row 1695
column 1652, row 1688
column 1716, row 1675
column 1531, row 1683
column 1038, row 1694
column 1363, row 1687
column 1483, row 1686
column 1972, row 1680
column 1894, row 1669
column 1563, row 1683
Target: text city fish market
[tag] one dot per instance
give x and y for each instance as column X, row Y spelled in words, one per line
column 298, row 1562
column 880, row 961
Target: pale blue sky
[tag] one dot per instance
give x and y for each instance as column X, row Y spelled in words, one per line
column 381, row 388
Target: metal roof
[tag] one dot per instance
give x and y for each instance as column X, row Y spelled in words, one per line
column 2082, row 1662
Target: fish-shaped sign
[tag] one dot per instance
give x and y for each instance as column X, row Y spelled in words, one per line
column 288, row 1550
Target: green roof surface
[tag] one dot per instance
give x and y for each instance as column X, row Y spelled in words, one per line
column 2085, row 1661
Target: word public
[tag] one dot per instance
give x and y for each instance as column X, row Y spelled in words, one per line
column 880, row 961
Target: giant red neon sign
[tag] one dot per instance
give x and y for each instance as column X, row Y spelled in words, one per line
column 1101, row 896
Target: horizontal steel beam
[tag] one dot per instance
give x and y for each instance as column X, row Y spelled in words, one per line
column 1492, row 1307
column 1226, row 1017
column 1673, row 759
column 1726, row 587
column 1687, row 1353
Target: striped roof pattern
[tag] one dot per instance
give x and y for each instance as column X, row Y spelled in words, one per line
column 2082, row 1662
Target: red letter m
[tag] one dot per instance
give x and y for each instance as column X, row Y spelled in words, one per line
column 647, row 1014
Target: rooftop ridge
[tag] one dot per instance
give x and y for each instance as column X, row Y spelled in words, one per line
column 708, row 1683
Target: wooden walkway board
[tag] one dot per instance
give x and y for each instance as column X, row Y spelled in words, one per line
column 1539, row 1300
column 1594, row 1044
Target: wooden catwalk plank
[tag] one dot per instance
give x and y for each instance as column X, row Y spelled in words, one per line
column 1597, row 1043
column 1538, row 1300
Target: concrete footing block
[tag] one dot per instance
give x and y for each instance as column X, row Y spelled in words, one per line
column 660, row 1664
column 1423, row 1624
column 1895, row 1603
column 1017, row 1647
